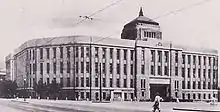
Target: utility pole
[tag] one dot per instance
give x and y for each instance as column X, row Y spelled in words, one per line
column 135, row 69
column 170, row 67
column 74, row 71
column 90, row 70
column 100, row 83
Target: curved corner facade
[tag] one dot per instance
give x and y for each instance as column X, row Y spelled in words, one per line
column 135, row 67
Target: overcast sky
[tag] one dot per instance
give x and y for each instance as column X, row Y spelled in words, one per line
column 22, row 20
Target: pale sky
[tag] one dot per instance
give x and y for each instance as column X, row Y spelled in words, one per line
column 22, row 20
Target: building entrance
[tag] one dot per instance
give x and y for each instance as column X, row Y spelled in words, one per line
column 162, row 89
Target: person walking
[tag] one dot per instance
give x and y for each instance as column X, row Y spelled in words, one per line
column 157, row 100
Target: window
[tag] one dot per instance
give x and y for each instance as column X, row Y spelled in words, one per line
column 30, row 69
column 48, row 53
column 209, row 61
column 61, row 82
column 34, row 68
column 183, row 72
column 125, row 83
column 188, row 96
column 152, row 56
column 204, row 73
column 103, row 68
column 118, row 53
column 166, row 53
column 199, row 57
column 111, row 68
column 159, row 56
column 34, row 54
column 41, row 68
column 204, row 96
column 176, row 57
column 96, row 68
column 189, row 59
column 194, row 72
column 68, row 52
column 87, row 67
column 125, row 54
column 87, row 95
column 118, row 69
column 82, row 67
column 159, row 70
column 125, row 70
column 132, row 54
column 82, row 95
column 165, row 70
column 188, row 72
column 143, row 83
column 204, row 60
column 183, row 57
column 176, row 71
column 142, row 69
column 199, row 96
column 68, row 81
column 61, row 52
column 145, row 34
column 188, row 85
column 54, row 52
column 194, row 96
column 87, row 51
column 199, row 85
column 132, row 69
column 103, row 82
column 209, row 85
column 111, row 53
column 199, row 72
column 77, row 52
column 87, row 82
column 118, row 83
column 183, row 84
column 48, row 68
column 111, row 83
column 183, row 95
column 152, row 70
column 68, row 67
column 142, row 55
column 41, row 53
column 82, row 82
column 77, row 81
column 96, row 82
column 82, row 52
column 204, row 85
column 54, row 67
column 131, row 83
column 209, row 73
column 194, row 85
column 61, row 67
column 194, row 60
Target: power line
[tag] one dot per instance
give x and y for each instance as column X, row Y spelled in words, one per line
column 182, row 9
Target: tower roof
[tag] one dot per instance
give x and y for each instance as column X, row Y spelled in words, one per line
column 142, row 19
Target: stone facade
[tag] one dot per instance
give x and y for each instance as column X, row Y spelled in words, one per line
column 159, row 66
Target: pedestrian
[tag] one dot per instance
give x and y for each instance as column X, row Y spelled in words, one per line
column 157, row 100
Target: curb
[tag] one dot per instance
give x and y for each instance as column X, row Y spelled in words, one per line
column 19, row 101
column 196, row 110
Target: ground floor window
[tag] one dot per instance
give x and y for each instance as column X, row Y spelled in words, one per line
column 82, row 95
column 87, row 94
column 188, row 96
column 142, row 93
column 96, row 95
column 183, row 96
column 125, row 96
column 204, row 96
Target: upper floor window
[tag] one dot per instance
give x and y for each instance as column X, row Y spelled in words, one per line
column 184, row 60
column 54, row 52
column 48, row 53
column 159, row 56
column 176, row 57
column 68, row 51
column 118, row 53
column 166, row 53
column 152, row 56
column 41, row 53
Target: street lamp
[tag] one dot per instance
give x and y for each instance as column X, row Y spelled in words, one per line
column 24, row 89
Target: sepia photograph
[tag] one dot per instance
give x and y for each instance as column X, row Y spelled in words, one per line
column 109, row 56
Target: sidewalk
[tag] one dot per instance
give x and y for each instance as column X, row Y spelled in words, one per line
column 123, row 106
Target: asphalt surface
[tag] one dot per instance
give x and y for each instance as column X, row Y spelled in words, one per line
column 19, row 106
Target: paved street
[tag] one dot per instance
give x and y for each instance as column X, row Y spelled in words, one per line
column 33, row 105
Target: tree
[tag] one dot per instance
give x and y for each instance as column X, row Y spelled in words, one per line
column 8, row 88
column 53, row 89
column 39, row 88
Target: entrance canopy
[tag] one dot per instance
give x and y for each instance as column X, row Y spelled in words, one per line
column 156, row 80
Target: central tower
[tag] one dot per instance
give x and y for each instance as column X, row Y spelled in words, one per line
column 141, row 28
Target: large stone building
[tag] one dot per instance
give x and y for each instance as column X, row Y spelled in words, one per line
column 134, row 67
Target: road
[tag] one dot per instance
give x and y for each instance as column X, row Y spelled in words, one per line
column 7, row 105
